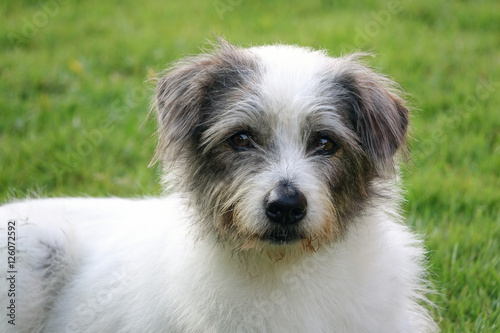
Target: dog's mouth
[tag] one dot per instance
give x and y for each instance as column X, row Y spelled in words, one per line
column 280, row 236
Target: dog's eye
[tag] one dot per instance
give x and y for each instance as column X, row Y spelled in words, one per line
column 325, row 145
column 241, row 141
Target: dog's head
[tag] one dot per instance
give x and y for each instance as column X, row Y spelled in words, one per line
column 277, row 144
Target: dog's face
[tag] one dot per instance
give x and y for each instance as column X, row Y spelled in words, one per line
column 277, row 145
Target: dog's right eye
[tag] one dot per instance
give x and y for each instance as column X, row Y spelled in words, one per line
column 241, row 141
column 324, row 145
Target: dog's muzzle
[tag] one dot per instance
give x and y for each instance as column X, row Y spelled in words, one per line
column 285, row 207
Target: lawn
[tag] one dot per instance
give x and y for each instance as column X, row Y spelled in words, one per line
column 75, row 88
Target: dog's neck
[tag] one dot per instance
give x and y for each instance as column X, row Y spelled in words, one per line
column 268, row 262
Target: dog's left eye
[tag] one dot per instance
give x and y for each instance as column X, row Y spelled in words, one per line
column 325, row 145
column 241, row 141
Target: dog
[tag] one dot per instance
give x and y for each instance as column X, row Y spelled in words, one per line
column 282, row 164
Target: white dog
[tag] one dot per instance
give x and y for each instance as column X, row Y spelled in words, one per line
column 285, row 217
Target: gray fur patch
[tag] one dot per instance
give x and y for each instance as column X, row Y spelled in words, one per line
column 191, row 89
column 373, row 105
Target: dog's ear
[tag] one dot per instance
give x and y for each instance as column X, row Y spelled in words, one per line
column 186, row 91
column 378, row 114
column 180, row 95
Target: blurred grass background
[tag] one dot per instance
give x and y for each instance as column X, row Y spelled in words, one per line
column 74, row 98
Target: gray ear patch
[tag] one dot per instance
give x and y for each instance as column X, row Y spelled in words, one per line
column 377, row 113
column 190, row 88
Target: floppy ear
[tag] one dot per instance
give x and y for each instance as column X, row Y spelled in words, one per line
column 186, row 91
column 379, row 114
column 179, row 99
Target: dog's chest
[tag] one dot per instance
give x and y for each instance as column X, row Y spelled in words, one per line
column 229, row 299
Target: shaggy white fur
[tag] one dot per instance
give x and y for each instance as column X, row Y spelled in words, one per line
column 235, row 126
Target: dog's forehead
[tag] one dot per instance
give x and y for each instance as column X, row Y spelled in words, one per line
column 294, row 84
column 289, row 95
column 290, row 75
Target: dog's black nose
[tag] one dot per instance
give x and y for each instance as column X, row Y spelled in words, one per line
column 286, row 205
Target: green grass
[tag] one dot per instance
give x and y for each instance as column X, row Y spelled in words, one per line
column 74, row 99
